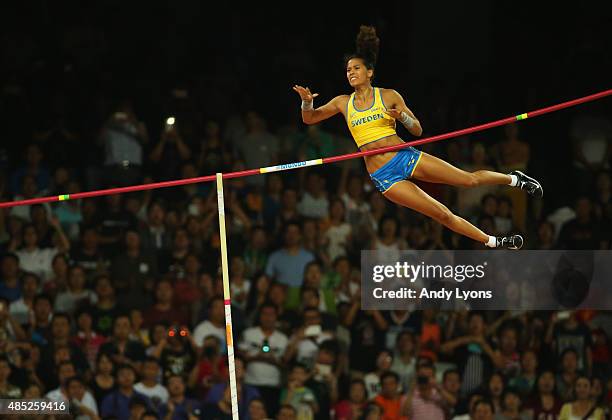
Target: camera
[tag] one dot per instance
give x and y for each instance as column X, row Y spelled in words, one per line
column 178, row 332
column 170, row 123
column 265, row 346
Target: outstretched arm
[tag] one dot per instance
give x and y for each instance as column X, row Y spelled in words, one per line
column 311, row 115
column 398, row 110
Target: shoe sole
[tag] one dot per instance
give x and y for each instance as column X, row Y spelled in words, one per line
column 520, row 246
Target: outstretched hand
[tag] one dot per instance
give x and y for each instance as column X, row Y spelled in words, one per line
column 394, row 113
column 305, row 93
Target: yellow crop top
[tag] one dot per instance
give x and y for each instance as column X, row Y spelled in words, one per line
column 370, row 124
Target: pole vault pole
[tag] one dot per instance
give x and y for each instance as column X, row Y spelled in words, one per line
column 229, row 338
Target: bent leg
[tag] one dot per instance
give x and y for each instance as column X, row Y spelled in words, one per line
column 436, row 170
column 407, row 194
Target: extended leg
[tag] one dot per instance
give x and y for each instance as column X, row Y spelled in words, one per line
column 436, row 170
column 407, row 194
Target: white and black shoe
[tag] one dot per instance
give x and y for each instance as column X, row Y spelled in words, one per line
column 509, row 242
column 528, row 184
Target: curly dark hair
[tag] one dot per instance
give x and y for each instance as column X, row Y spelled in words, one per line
column 366, row 47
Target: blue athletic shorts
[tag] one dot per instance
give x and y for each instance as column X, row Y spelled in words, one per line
column 397, row 169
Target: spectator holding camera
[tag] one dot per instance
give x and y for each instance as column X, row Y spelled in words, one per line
column 123, row 137
column 427, row 399
column 179, row 354
column 263, row 347
column 210, row 369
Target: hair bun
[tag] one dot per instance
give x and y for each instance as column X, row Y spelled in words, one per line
column 367, row 43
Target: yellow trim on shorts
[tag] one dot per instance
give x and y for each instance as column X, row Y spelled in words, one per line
column 415, row 165
column 391, row 186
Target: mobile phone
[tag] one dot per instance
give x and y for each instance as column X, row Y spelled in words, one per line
column 170, row 123
column 312, row 331
column 563, row 314
column 323, row 370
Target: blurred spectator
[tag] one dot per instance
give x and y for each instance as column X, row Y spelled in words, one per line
column 545, row 403
column 317, row 144
column 272, row 201
column 483, row 410
column 258, row 148
column 496, row 387
column 314, row 202
column 82, row 405
column 178, row 356
column 149, row 386
column 389, row 399
column 372, row 380
column 352, row 408
column 117, row 403
column 40, row 324
column 248, row 392
column 297, row 395
column 427, row 399
column 103, row 381
column 583, row 232
column 58, row 282
column 35, row 259
column 214, row 325
column 86, row 338
column 60, row 339
column 10, row 287
column 88, row 254
column 133, row 271
column 214, row 155
column 123, row 138
column 338, row 231
column 582, row 406
column 306, row 341
column 170, row 151
column 546, row 235
column 76, row 293
column 154, row 236
column 120, row 348
column 163, row 309
column 524, row 383
column 210, row 369
column 473, row 354
column 22, row 309
column 179, row 407
column 33, row 167
column 590, row 135
column 239, row 285
column 285, row 265
column 263, row 347
column 469, row 199
column 511, row 407
column 114, row 222
column 7, row 390
column 571, row 333
column 106, row 308
column 29, row 190
column 404, row 360
column 257, row 410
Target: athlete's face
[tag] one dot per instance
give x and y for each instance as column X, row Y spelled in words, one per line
column 357, row 73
